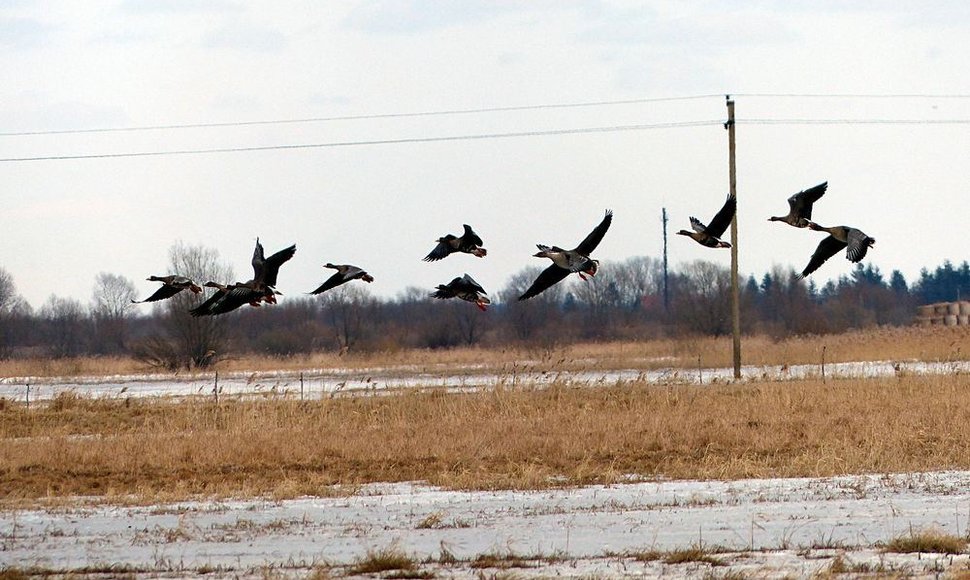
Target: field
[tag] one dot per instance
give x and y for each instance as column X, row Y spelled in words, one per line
column 622, row 459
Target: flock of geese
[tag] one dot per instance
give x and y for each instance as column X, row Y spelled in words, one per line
column 262, row 287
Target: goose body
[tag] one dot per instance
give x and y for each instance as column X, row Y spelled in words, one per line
column 468, row 243
column 710, row 235
column 171, row 285
column 261, row 288
column 800, row 206
column 566, row 262
column 463, row 287
column 344, row 273
column 855, row 242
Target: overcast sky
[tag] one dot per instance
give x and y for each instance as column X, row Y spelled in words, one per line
column 119, row 64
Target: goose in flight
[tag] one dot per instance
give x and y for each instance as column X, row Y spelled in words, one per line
column 565, row 262
column 344, row 273
column 800, row 206
column 464, row 287
column 261, row 288
column 171, row 285
column 468, row 243
column 710, row 235
column 853, row 240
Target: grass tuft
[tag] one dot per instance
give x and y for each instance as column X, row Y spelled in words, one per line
column 932, row 541
column 692, row 554
column 383, row 560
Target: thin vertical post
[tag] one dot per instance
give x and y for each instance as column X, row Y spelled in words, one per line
column 215, row 388
column 28, row 395
column 735, row 288
column 301, row 386
column 666, row 286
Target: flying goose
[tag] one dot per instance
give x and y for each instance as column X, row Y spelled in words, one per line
column 800, row 206
column 344, row 273
column 464, row 287
column 261, row 288
column 854, row 240
column 171, row 285
column 565, row 262
column 468, row 242
column 710, row 235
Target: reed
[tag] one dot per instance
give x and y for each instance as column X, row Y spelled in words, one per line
column 157, row 449
column 935, row 343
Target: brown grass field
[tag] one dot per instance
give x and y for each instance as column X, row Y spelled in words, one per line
column 149, row 450
column 935, row 343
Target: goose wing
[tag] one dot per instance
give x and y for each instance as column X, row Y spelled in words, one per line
column 594, row 238
column 205, row 308
column 271, row 266
column 233, row 299
column 442, row 250
column 827, row 248
column 722, row 219
column 468, row 283
column 162, row 293
column 470, row 237
column 858, row 245
column 448, row 290
column 332, row 282
column 551, row 275
column 801, row 202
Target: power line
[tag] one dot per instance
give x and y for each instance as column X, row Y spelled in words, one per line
column 576, row 131
column 359, row 117
column 854, row 121
column 854, row 95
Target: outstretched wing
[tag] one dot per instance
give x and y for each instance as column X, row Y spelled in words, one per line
column 205, row 308
column 258, row 260
column 469, row 284
column 271, row 266
column 858, row 245
column 162, row 293
column 332, row 282
column 827, row 248
column 440, row 251
column 551, row 275
column 594, row 238
column 801, row 202
column 470, row 237
column 722, row 219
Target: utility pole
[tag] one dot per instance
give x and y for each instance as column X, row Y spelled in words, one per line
column 735, row 289
column 666, row 290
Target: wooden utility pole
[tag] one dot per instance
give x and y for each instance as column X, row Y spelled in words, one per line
column 666, row 280
column 735, row 288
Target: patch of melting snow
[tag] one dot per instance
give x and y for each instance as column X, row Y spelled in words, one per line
column 788, row 526
column 320, row 383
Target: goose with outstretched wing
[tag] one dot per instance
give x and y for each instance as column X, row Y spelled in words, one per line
column 566, row 262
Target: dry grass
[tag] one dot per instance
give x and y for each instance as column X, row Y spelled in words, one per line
column 905, row 343
column 923, row 541
column 155, row 450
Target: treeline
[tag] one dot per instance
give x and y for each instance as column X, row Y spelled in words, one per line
column 626, row 300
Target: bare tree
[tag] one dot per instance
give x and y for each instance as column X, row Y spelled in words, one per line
column 65, row 326
column 528, row 317
column 350, row 312
column 189, row 341
column 13, row 308
column 111, row 307
column 701, row 301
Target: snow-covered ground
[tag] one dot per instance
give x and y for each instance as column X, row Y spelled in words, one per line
column 765, row 528
column 319, row 383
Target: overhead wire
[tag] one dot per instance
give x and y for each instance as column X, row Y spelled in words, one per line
column 514, row 134
column 361, row 117
column 573, row 131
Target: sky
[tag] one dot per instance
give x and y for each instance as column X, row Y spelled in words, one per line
column 379, row 185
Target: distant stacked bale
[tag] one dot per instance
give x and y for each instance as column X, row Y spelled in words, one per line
column 944, row 313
